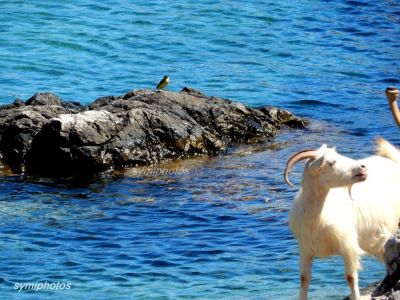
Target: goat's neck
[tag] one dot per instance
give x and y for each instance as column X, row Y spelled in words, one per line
column 314, row 193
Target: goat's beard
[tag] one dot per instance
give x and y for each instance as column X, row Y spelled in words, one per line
column 349, row 190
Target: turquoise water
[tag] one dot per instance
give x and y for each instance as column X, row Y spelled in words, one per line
column 219, row 229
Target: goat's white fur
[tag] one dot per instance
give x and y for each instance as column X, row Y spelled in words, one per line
column 326, row 220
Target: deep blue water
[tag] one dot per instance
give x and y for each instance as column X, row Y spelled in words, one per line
column 219, row 230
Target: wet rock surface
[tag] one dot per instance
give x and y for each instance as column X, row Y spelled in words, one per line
column 48, row 136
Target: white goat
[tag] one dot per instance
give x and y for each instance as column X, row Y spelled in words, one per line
column 344, row 207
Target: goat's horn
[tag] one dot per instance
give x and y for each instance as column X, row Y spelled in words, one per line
column 392, row 90
column 392, row 93
column 296, row 158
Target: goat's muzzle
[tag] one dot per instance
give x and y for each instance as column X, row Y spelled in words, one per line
column 362, row 174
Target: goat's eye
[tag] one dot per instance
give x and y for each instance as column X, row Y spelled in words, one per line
column 332, row 163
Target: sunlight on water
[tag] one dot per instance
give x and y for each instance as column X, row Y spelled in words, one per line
column 203, row 228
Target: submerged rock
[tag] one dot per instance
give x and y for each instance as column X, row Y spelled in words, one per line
column 51, row 137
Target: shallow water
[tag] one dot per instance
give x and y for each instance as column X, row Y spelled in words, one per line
column 218, row 229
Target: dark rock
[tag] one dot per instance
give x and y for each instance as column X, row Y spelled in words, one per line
column 44, row 99
column 193, row 92
column 282, row 116
column 51, row 137
column 74, row 105
column 18, row 127
column 18, row 103
column 102, row 101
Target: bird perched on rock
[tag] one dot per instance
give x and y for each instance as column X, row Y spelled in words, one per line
column 163, row 83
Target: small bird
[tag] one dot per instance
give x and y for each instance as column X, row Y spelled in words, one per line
column 163, row 83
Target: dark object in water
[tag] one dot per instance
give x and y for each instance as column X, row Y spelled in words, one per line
column 48, row 136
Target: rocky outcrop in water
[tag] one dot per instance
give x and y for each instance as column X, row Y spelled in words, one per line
column 48, row 136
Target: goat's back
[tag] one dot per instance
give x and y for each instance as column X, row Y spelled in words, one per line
column 386, row 149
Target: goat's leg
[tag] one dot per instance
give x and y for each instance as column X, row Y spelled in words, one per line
column 305, row 274
column 352, row 265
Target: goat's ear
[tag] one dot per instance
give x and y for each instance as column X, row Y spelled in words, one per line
column 316, row 164
column 323, row 148
column 321, row 151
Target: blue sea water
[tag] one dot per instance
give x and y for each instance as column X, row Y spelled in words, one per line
column 219, row 229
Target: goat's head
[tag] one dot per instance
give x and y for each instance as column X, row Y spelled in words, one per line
column 328, row 167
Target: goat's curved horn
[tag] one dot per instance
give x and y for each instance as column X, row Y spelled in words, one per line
column 392, row 94
column 296, row 158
